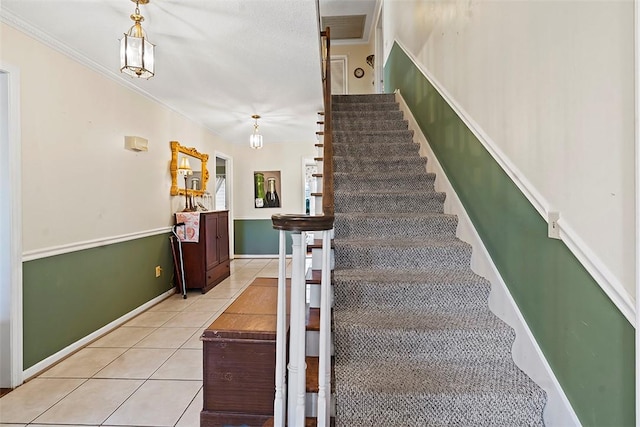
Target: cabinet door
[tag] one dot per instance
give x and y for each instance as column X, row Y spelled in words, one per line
column 211, row 225
column 223, row 236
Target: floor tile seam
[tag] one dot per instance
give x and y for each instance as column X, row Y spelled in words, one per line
column 183, row 380
column 124, row 401
column 137, row 348
column 188, row 406
column 57, row 401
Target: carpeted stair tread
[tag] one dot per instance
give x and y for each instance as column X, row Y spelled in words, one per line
column 407, row 215
column 368, row 150
column 370, row 133
column 406, row 225
column 373, row 106
column 368, row 125
column 402, row 294
column 417, row 288
column 372, row 137
column 390, row 277
column 422, row 319
column 368, row 98
column 393, row 164
column 388, row 201
column 339, row 116
column 425, row 333
column 415, row 242
column 415, row 253
column 370, row 182
column 438, row 393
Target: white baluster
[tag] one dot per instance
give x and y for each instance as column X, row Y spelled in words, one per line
column 297, row 374
column 281, row 335
column 324, row 368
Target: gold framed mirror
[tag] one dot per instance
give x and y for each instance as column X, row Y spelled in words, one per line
column 196, row 183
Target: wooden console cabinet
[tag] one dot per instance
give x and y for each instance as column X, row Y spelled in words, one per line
column 206, row 263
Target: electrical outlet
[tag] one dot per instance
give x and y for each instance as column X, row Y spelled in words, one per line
column 554, row 228
column 158, row 271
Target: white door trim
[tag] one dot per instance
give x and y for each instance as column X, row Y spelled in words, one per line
column 378, row 69
column 14, row 166
column 345, row 60
column 636, row 49
column 229, row 194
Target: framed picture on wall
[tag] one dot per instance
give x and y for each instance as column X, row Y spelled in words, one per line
column 266, row 192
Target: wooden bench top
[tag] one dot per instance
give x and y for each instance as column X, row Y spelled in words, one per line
column 251, row 316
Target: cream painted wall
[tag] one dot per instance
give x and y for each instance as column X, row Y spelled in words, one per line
column 284, row 157
column 79, row 183
column 357, row 57
column 551, row 83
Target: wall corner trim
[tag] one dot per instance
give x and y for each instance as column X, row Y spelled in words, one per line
column 609, row 283
column 526, row 352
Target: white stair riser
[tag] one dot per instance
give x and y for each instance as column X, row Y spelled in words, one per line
column 316, row 259
column 312, row 340
column 313, row 295
column 311, row 407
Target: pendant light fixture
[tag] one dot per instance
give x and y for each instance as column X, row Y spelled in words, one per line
column 136, row 52
column 255, row 141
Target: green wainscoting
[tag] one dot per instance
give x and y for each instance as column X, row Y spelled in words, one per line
column 587, row 341
column 69, row 296
column 257, row 237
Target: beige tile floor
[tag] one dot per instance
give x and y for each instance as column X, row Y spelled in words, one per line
column 148, row 372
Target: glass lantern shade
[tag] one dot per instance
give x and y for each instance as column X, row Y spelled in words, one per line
column 255, row 141
column 136, row 54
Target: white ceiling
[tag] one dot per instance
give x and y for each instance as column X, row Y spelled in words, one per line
column 217, row 62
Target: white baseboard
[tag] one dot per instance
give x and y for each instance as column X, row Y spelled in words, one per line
column 273, row 256
column 526, row 352
column 69, row 350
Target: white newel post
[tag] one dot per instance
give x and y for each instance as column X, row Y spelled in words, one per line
column 297, row 374
column 324, row 368
column 281, row 335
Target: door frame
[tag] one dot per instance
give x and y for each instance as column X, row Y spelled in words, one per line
column 636, row 74
column 345, row 77
column 378, row 69
column 228, row 192
column 12, row 207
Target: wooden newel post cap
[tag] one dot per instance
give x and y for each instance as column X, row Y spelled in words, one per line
column 299, row 223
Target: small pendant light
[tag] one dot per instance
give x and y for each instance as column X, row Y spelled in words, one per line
column 255, row 140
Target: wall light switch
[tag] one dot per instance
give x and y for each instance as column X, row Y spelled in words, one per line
column 158, row 271
column 554, row 228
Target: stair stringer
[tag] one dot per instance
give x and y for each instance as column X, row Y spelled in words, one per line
column 527, row 355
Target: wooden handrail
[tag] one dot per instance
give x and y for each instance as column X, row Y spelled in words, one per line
column 328, row 207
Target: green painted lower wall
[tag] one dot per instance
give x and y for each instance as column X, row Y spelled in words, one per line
column 67, row 297
column 256, row 237
column 587, row 341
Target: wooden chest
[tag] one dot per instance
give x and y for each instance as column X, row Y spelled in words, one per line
column 239, row 360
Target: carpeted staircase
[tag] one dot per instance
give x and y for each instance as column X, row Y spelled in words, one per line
column 415, row 342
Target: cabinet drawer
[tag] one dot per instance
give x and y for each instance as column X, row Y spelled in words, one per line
column 218, row 273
